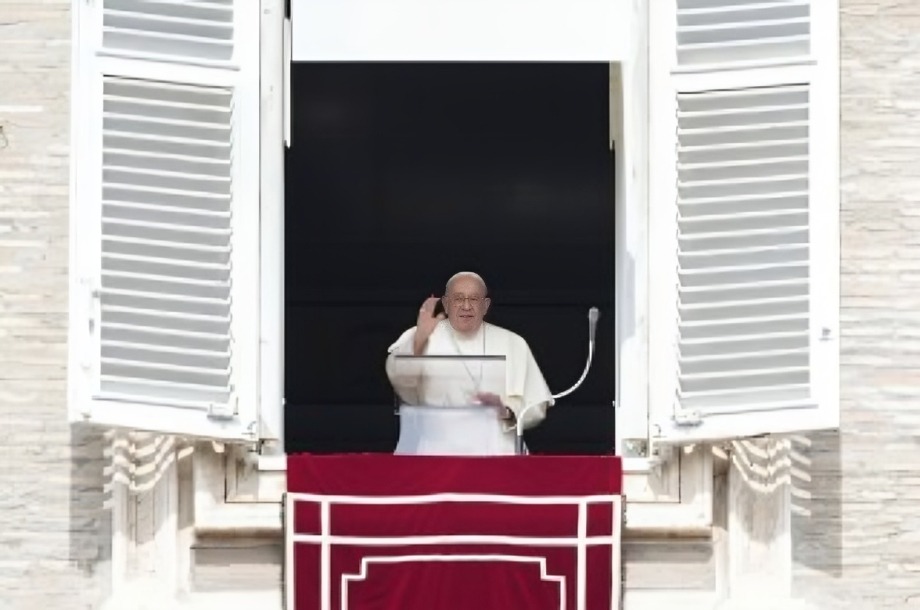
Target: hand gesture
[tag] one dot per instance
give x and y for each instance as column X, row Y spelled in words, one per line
column 494, row 400
column 426, row 323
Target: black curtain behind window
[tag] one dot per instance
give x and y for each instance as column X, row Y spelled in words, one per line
column 401, row 175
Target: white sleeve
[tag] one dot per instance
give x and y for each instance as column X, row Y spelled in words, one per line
column 404, row 377
column 536, row 393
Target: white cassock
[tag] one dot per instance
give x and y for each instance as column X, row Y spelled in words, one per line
column 439, row 414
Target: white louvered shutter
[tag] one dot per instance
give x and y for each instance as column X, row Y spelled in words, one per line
column 743, row 220
column 166, row 216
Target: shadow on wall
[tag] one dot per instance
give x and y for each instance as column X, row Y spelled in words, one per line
column 116, row 483
column 817, row 519
column 90, row 505
column 810, row 466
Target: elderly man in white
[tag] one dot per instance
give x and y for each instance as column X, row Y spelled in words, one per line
column 452, row 414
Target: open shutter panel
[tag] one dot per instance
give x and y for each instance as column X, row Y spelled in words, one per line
column 746, row 215
column 168, row 195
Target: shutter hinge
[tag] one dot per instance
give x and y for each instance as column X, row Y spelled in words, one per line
column 688, row 418
column 224, row 411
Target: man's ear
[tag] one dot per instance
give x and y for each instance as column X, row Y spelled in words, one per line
column 485, row 305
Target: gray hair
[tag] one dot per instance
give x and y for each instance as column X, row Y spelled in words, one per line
column 469, row 275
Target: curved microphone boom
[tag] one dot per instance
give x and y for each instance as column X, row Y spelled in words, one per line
column 593, row 315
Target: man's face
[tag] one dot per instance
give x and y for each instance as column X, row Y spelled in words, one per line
column 466, row 304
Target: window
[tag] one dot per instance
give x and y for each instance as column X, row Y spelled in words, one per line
column 727, row 209
column 402, row 174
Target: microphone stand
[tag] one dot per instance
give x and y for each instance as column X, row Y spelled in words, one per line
column 593, row 315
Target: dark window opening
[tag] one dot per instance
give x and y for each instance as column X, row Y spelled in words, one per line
column 401, row 175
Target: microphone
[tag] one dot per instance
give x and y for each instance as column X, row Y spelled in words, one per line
column 593, row 315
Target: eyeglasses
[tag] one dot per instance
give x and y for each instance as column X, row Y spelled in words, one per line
column 473, row 301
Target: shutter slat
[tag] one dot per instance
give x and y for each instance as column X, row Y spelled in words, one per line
column 773, row 397
column 165, row 143
column 158, row 391
column 139, row 390
column 159, row 195
column 719, row 8
column 738, row 378
column 756, row 285
column 124, row 30
column 142, row 277
column 730, row 269
column 738, row 164
column 124, row 158
column 118, row 329
column 743, row 355
column 758, row 130
column 742, row 343
column 767, row 200
column 735, row 147
column 752, row 182
column 141, row 224
column 164, row 349
column 216, row 320
column 167, row 210
column 750, row 302
column 159, row 243
column 137, row 123
column 793, row 216
column 731, row 228
column 165, row 296
column 723, row 326
column 734, row 30
column 150, row 367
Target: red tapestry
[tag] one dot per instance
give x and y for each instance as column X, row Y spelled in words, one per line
column 385, row 532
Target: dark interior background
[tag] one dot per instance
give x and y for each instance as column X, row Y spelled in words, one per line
column 402, row 174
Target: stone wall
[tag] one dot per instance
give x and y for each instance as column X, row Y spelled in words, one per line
column 856, row 523
column 53, row 523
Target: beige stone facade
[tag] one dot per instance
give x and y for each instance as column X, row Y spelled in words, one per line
column 54, row 537
column 856, row 517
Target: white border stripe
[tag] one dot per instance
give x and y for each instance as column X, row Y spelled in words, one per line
column 289, row 568
column 325, row 560
column 580, row 562
column 579, row 542
column 366, row 562
column 326, row 539
column 455, row 497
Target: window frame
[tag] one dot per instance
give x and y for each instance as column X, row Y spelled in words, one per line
column 666, row 494
column 273, row 137
column 664, row 491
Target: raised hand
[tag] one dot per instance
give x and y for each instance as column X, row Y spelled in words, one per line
column 426, row 324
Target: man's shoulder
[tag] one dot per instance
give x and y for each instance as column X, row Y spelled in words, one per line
column 508, row 335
